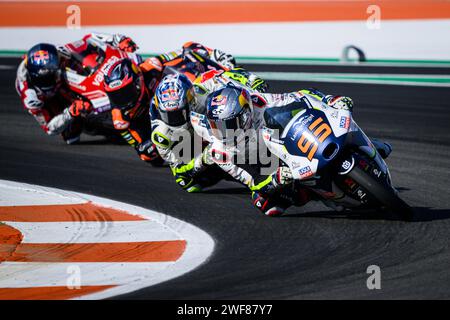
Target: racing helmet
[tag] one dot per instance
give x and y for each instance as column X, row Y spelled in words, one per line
column 124, row 84
column 43, row 65
column 172, row 98
column 229, row 113
column 198, row 48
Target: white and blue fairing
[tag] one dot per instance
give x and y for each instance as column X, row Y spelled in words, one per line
column 313, row 137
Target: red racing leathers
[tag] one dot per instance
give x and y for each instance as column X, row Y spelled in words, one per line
column 52, row 110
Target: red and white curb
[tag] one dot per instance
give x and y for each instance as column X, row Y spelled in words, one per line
column 57, row 244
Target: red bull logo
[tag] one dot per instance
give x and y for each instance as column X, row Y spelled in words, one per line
column 41, row 57
column 169, row 95
column 219, row 100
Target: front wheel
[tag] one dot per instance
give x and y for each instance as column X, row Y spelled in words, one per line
column 382, row 193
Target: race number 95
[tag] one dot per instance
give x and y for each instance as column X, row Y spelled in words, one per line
column 308, row 143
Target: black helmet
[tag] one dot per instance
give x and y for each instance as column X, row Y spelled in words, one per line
column 124, row 84
column 42, row 63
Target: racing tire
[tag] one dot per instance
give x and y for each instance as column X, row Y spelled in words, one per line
column 385, row 195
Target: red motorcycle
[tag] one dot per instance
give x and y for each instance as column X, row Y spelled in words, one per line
column 90, row 62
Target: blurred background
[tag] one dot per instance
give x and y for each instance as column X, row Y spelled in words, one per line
column 386, row 31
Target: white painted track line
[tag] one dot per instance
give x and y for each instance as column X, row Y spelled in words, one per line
column 89, row 232
column 21, row 275
column 23, row 272
column 17, row 194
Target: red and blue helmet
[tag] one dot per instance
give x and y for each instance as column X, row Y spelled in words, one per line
column 229, row 109
column 124, row 84
column 43, row 66
column 172, row 99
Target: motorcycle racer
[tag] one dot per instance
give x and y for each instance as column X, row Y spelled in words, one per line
column 129, row 98
column 41, row 86
column 175, row 97
column 234, row 117
column 130, row 88
column 190, row 60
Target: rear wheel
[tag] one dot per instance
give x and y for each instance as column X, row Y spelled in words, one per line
column 382, row 193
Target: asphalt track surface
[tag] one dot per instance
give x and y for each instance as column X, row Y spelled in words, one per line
column 311, row 252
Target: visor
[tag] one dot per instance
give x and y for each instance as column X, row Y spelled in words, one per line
column 45, row 81
column 124, row 98
column 174, row 118
column 228, row 130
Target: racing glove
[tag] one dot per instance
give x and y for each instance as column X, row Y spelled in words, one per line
column 282, row 177
column 340, row 102
column 80, row 108
column 257, row 83
column 127, row 44
column 59, row 123
column 248, row 79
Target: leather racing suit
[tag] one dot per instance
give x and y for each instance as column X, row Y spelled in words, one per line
column 134, row 125
column 195, row 173
column 270, row 189
column 51, row 109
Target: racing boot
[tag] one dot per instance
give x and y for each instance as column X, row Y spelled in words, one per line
column 147, row 152
column 71, row 135
column 266, row 205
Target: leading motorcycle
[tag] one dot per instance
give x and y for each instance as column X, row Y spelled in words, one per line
column 330, row 155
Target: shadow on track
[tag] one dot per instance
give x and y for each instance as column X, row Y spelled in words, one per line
column 102, row 141
column 241, row 190
column 421, row 214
